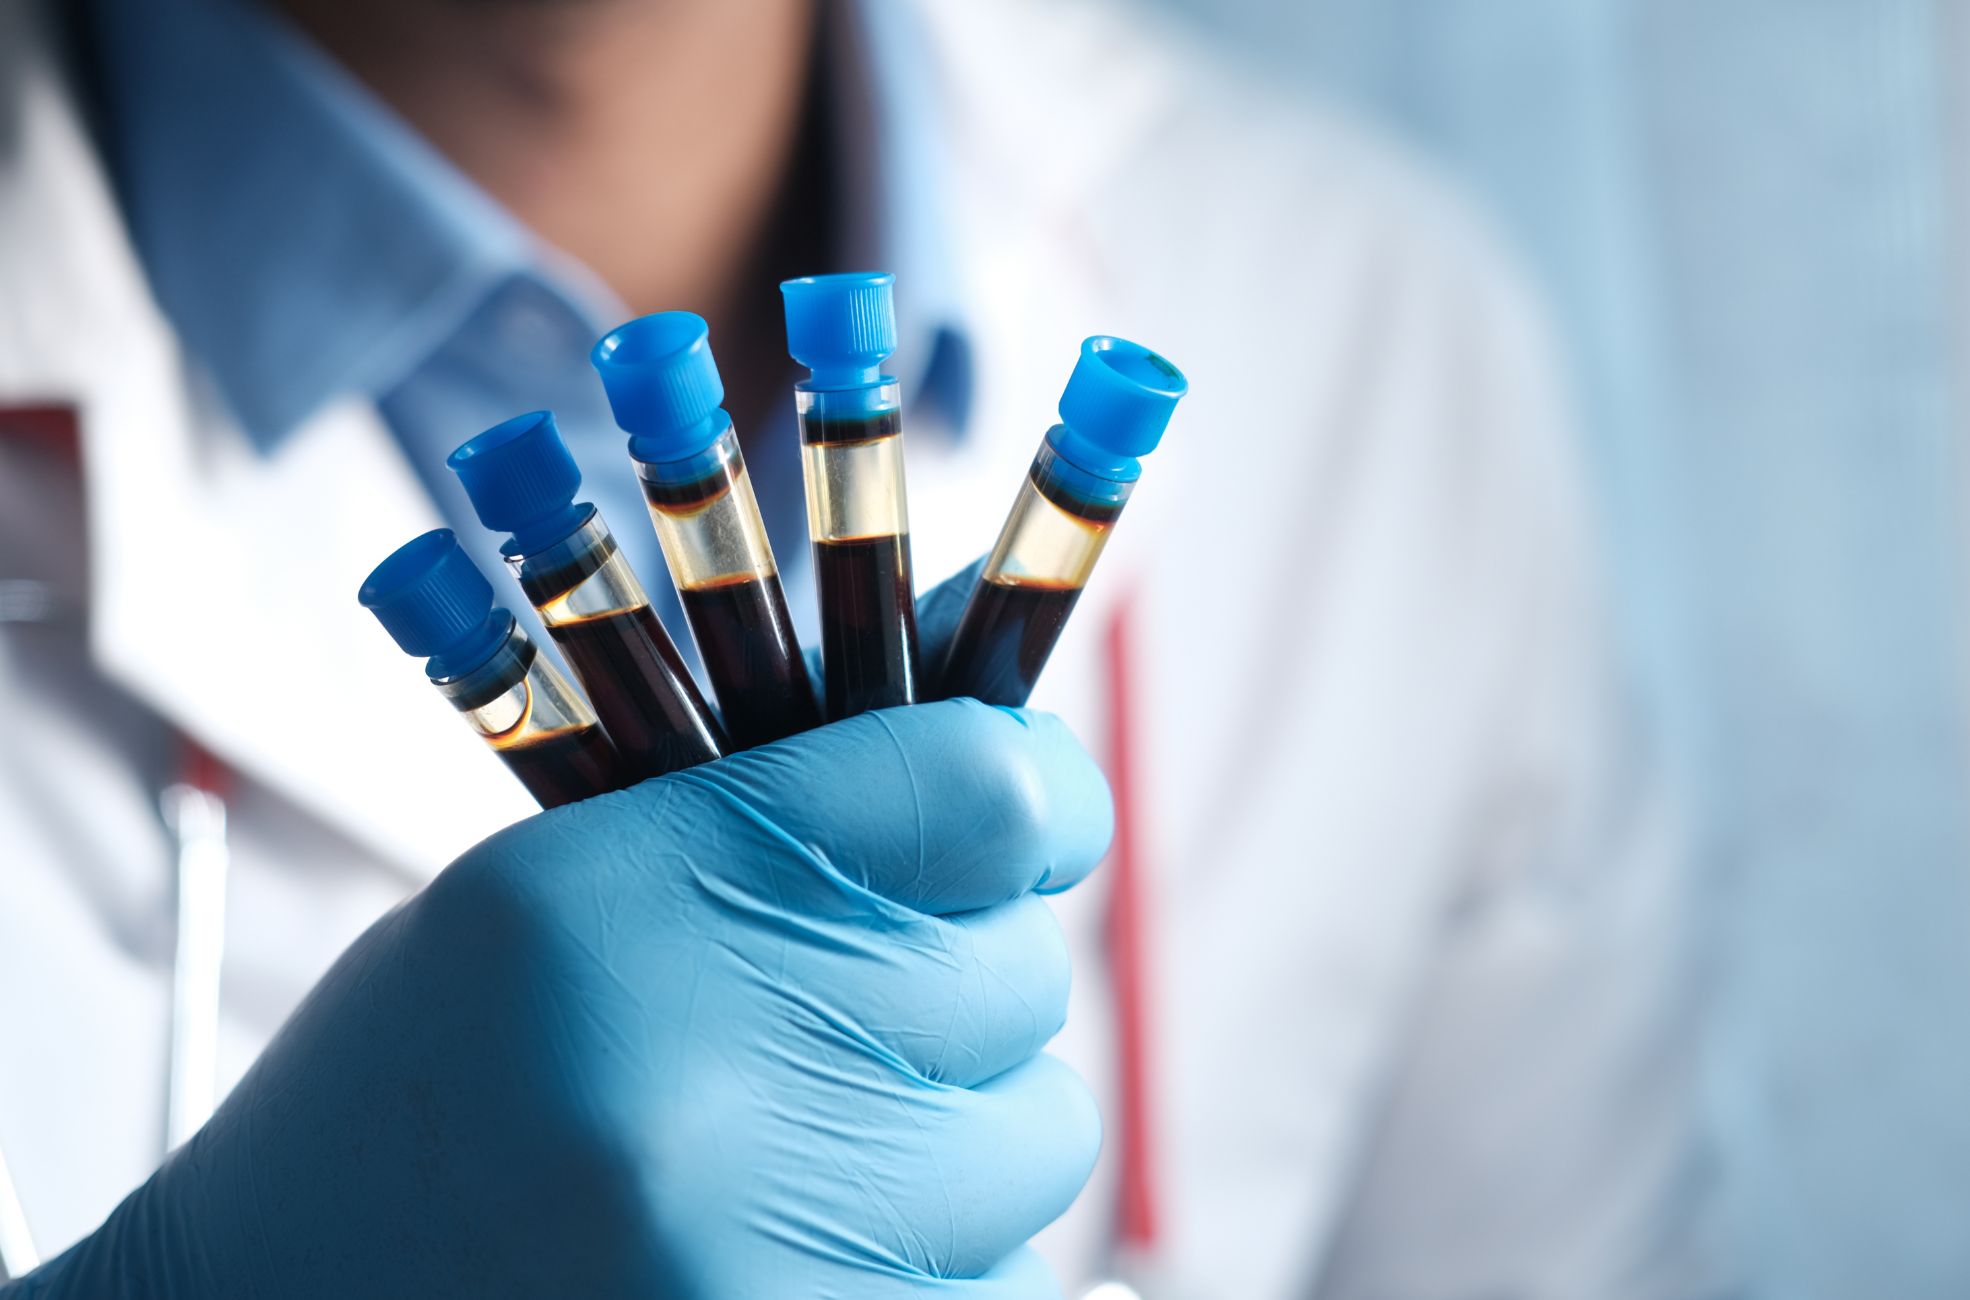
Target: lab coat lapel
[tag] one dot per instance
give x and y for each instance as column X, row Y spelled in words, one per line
column 222, row 580
column 276, row 666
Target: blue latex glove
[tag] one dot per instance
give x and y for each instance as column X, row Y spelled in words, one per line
column 768, row 1027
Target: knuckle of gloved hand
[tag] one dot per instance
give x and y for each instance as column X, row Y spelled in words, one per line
column 1054, row 799
column 1056, row 974
column 1047, row 964
column 557, row 856
column 510, row 892
column 1005, row 769
column 1080, row 804
column 1066, row 1122
column 1003, row 992
column 1027, row 1143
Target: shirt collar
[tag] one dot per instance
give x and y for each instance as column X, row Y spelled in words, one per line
column 308, row 244
column 303, row 240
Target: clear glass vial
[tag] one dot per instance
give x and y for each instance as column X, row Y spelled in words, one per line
column 434, row 602
column 522, row 480
column 664, row 387
column 842, row 328
column 1116, row 406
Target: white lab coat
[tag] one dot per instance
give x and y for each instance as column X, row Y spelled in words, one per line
column 1418, row 1026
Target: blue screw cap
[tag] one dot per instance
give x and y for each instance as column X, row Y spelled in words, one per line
column 663, row 384
column 1117, row 404
column 434, row 603
column 841, row 327
column 522, row 480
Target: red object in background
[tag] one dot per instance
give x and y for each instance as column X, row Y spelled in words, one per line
column 199, row 769
column 53, row 430
column 1137, row 1209
column 50, row 426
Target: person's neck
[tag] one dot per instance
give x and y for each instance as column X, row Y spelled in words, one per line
column 652, row 141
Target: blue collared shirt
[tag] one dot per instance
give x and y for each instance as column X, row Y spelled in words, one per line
column 308, row 245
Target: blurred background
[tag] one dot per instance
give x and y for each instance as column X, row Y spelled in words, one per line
column 1749, row 222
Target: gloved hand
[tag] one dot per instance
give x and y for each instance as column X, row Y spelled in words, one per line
column 764, row 1028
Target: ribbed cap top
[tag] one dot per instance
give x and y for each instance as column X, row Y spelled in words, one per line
column 521, row 479
column 430, row 597
column 662, row 382
column 843, row 326
column 1120, row 396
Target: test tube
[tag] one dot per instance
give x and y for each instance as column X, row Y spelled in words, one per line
column 664, row 388
column 842, row 328
column 522, row 481
column 1117, row 403
column 434, row 602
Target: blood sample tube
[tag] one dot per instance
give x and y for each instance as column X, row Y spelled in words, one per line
column 664, row 388
column 842, row 328
column 434, row 602
column 522, row 481
column 1117, row 403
